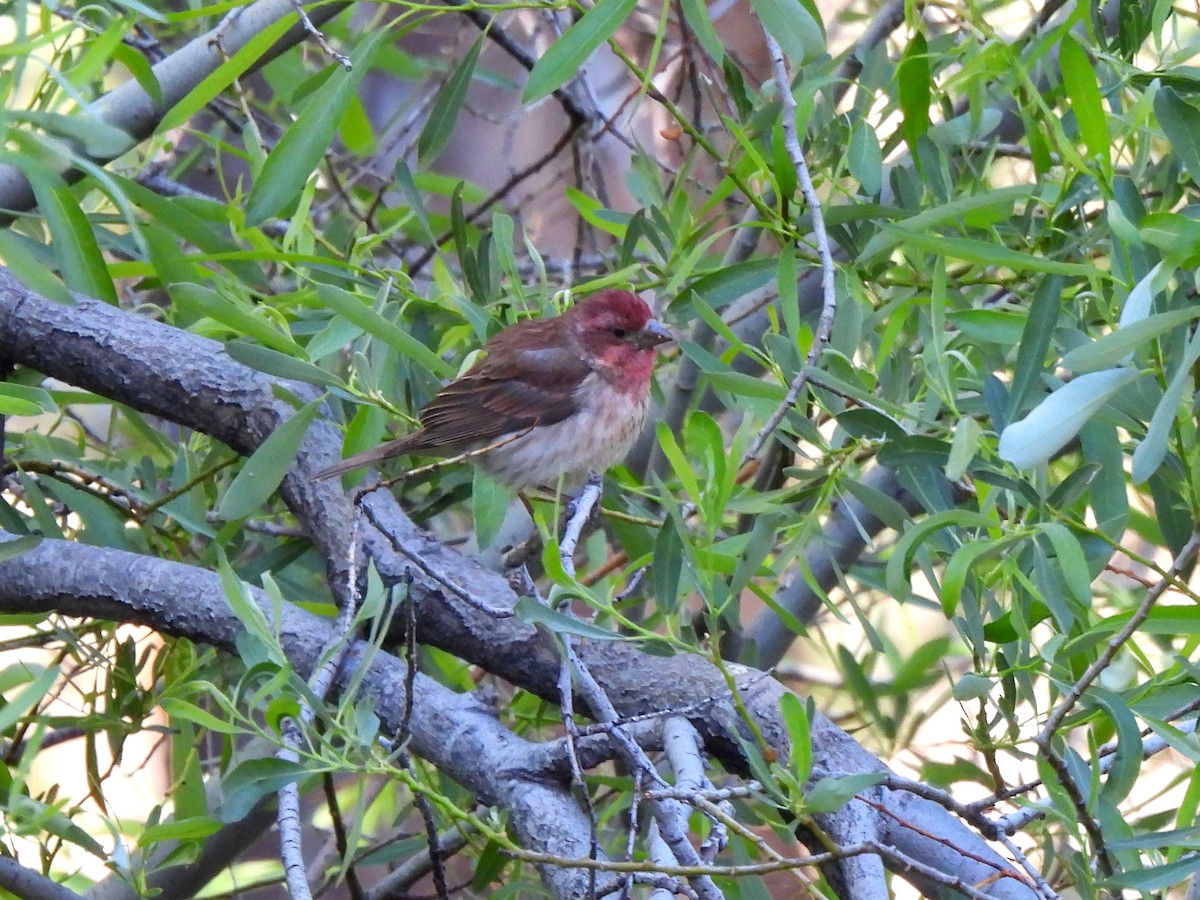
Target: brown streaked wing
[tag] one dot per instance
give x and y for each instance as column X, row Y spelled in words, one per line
column 513, row 388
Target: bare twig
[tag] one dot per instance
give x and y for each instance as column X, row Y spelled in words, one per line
column 820, row 237
column 316, row 35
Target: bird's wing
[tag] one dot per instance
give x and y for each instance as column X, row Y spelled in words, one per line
column 514, row 387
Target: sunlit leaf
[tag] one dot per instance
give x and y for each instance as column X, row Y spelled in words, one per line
column 1057, row 419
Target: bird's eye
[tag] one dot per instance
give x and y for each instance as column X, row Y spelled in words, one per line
column 619, row 332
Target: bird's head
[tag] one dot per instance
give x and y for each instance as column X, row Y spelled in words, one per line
column 617, row 330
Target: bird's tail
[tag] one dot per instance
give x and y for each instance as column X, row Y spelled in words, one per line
column 367, row 457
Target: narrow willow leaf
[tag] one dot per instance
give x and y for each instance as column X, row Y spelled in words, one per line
column 1176, row 235
column 566, row 56
column 795, row 717
column 529, row 610
column 1071, row 561
column 489, row 506
column 444, row 114
column 1115, row 346
column 1180, row 122
column 282, row 365
column 359, row 312
column 1057, row 419
column 13, row 547
column 79, row 258
column 1152, row 449
column 695, row 13
column 1035, row 342
column 38, row 682
column 183, row 108
column 286, row 169
column 1141, row 298
column 265, row 468
column 987, row 253
column 25, row 400
column 914, row 78
column 865, row 160
column 1079, row 81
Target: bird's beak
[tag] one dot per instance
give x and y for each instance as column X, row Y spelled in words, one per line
column 653, row 334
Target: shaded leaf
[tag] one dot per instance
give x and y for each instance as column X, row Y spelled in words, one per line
column 265, row 468
column 444, row 114
column 565, row 57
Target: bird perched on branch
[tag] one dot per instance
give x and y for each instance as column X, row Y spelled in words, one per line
column 552, row 398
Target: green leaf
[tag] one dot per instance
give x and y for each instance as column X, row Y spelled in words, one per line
column 667, row 566
column 191, row 829
column 795, row 717
column 679, row 464
column 182, row 109
column 899, row 565
column 914, row 79
column 1035, row 342
column 177, row 708
column 359, row 311
column 985, row 253
column 1052, row 424
column 265, row 468
column 963, row 448
column 444, row 114
column 530, row 611
column 204, row 301
column 11, row 548
column 1152, row 449
column 565, row 57
column 97, row 138
column 252, row 780
column 1174, row 234
column 1127, row 761
column 790, row 22
column 281, row 365
column 993, row 326
column 29, row 261
column 977, row 210
column 1117, row 346
column 141, row 70
column 695, row 13
column 489, row 506
column 866, row 159
column 1155, row 878
column 1180, row 122
column 74, row 244
column 286, row 169
column 1071, row 561
column 1079, row 81
column 37, row 681
column 833, row 793
column 24, row 400
column 962, row 562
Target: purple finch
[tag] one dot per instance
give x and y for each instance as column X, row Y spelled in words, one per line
column 552, row 398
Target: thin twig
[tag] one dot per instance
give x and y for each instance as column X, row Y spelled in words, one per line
column 821, row 238
column 315, row 34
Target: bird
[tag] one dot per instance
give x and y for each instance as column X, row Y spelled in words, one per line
column 551, row 401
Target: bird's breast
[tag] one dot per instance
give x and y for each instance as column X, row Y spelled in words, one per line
column 597, row 436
